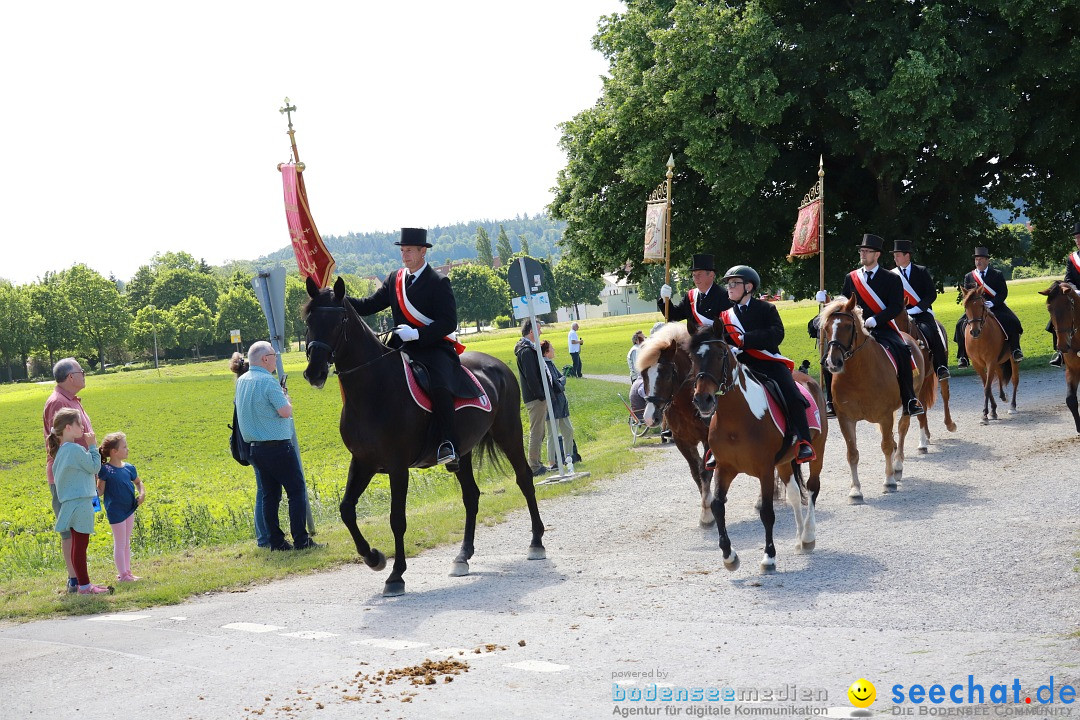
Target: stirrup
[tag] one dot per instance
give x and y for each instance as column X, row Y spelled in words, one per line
column 917, row 410
column 710, row 460
column 1057, row 360
column 830, row 411
column 1018, row 354
column 943, row 372
column 801, row 454
column 963, row 362
column 446, row 454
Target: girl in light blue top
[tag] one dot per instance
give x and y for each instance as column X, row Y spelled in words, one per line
column 74, row 469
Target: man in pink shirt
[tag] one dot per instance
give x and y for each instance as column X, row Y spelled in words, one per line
column 70, row 379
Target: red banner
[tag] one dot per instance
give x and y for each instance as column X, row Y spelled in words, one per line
column 312, row 257
column 805, row 240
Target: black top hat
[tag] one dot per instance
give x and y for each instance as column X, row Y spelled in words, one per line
column 982, row 252
column 902, row 246
column 873, row 242
column 413, row 236
column 703, row 262
column 1076, row 228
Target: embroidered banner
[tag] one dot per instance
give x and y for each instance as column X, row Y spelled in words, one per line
column 312, row 257
column 655, row 231
column 805, row 241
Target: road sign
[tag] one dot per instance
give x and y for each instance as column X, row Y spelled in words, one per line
column 541, row 305
column 234, row 337
column 534, row 273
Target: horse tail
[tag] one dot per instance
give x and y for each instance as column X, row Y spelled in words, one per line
column 797, row 472
column 1006, row 372
column 487, row 450
column 930, row 392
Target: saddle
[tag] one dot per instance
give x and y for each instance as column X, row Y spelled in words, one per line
column 779, row 410
column 416, row 375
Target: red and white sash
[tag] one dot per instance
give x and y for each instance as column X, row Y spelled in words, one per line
column 734, row 328
column 700, row 319
column 910, row 295
column 868, row 295
column 414, row 316
column 1074, row 258
column 978, row 278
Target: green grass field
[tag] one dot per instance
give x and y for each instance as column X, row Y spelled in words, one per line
column 195, row 532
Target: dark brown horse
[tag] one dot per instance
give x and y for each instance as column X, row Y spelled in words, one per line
column 664, row 363
column 1063, row 304
column 932, row 383
column 386, row 432
column 988, row 348
column 744, row 439
column 864, row 387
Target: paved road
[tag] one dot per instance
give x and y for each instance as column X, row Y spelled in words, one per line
column 969, row 569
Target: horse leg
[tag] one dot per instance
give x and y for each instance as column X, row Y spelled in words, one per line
column 507, row 436
column 470, row 498
column 701, row 478
column 399, row 489
column 358, row 481
column 898, row 454
column 992, row 373
column 943, row 385
column 1015, row 384
column 719, row 493
column 924, row 434
column 847, row 428
column 804, row 528
column 768, row 519
column 987, row 383
column 1072, row 379
column 889, row 448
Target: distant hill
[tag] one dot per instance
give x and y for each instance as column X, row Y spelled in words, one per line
column 376, row 254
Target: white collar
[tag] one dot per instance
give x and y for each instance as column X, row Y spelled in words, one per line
column 418, row 272
column 870, row 270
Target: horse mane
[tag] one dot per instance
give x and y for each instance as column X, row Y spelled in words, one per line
column 1056, row 290
column 836, row 305
column 648, row 353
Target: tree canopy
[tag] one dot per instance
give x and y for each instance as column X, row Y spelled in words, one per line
column 926, row 115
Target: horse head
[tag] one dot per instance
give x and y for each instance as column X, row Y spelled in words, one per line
column 975, row 310
column 1063, row 304
column 326, row 318
column 664, row 364
column 842, row 333
column 714, row 369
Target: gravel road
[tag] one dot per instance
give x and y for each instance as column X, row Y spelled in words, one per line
column 970, row 569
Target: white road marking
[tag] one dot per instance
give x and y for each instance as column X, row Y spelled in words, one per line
column 125, row 617
column 389, row 644
column 253, row 627
column 178, row 618
column 309, row 634
column 538, row 666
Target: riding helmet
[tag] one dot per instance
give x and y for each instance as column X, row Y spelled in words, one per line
column 745, row 272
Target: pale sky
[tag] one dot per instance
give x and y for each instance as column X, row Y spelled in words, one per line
column 132, row 128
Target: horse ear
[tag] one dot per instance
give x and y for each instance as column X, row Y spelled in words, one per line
column 339, row 289
column 312, row 288
column 850, row 304
column 1050, row 289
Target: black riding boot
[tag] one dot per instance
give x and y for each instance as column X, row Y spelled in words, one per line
column 442, row 406
column 961, row 346
column 826, row 378
column 908, row 401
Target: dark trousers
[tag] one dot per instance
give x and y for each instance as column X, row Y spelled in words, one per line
column 279, row 468
column 1009, row 323
column 778, row 373
column 576, row 358
column 928, row 325
column 901, row 354
column 442, row 411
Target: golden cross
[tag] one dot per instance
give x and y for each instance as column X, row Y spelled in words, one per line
column 288, row 110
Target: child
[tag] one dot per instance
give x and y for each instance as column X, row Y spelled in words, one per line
column 74, row 469
column 118, row 482
column 561, row 410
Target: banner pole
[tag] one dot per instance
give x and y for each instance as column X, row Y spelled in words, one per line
column 288, row 110
column 667, row 234
column 821, row 252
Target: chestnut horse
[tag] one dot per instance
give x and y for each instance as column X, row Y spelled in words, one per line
column 744, row 439
column 387, row 432
column 864, row 387
column 1063, row 304
column 664, row 363
column 988, row 350
column 930, row 385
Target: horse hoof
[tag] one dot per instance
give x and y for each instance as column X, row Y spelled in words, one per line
column 856, row 499
column 951, row 427
column 459, row 569
column 808, row 546
column 984, row 421
column 768, row 568
column 923, row 451
column 732, row 564
column 889, row 488
column 379, row 562
column 537, row 553
column 393, row 589
column 1012, row 411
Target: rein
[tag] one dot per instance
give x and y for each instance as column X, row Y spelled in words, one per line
column 721, row 387
column 343, row 336
column 674, row 371
column 849, row 349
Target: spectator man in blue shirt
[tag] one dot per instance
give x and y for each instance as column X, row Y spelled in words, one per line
column 264, row 413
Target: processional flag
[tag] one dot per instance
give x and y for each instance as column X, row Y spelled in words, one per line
column 809, row 234
column 312, row 257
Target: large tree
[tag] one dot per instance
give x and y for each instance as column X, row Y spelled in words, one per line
column 194, row 324
column 99, row 312
column 575, row 286
column 172, row 286
column 154, row 329
column 16, row 338
column 926, row 114
column 480, row 293
column 238, row 309
column 484, row 255
column 52, row 318
column 503, row 249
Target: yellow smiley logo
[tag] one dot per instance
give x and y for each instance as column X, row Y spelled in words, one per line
column 862, row 693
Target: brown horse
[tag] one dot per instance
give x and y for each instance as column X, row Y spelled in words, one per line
column 744, row 439
column 988, row 350
column 664, row 363
column 932, row 383
column 864, row 387
column 1063, row 304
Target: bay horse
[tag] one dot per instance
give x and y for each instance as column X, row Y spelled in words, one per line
column 387, row 432
column 864, row 387
column 988, row 350
column 744, row 439
column 932, row 384
column 1063, row 304
column 664, row 363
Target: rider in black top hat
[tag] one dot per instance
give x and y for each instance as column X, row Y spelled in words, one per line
column 1072, row 275
column 425, row 316
column 889, row 292
column 919, row 294
column 996, row 290
column 703, row 303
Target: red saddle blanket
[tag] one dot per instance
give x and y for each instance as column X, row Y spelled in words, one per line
column 422, row 399
column 813, row 417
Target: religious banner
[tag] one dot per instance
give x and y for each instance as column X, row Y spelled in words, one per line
column 655, row 231
column 312, row 257
column 805, row 241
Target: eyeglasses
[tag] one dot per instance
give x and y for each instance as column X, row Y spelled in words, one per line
column 735, row 283
column 77, row 372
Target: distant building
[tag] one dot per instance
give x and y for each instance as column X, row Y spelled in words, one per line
column 618, row 297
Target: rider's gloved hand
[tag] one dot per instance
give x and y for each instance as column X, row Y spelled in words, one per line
column 406, row 332
column 871, row 323
column 665, row 292
column 821, row 296
column 988, row 303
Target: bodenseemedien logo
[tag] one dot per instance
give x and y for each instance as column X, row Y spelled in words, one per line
column 862, row 693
